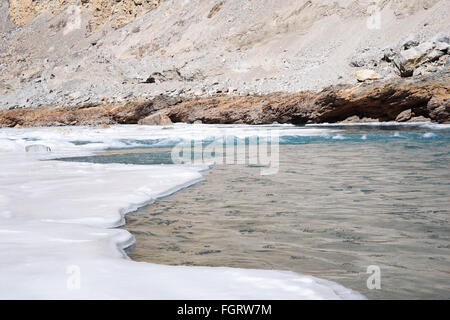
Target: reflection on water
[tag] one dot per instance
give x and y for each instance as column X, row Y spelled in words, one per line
column 333, row 210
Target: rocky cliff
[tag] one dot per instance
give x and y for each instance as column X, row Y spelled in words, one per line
column 116, row 12
column 82, row 54
column 423, row 99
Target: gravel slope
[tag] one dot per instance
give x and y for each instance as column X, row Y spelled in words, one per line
column 103, row 51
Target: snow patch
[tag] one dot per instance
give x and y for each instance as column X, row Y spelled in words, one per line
column 57, row 218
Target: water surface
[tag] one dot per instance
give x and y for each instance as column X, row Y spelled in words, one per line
column 364, row 196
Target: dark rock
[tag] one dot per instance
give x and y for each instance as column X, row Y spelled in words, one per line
column 435, row 55
column 439, row 108
column 384, row 101
column 444, row 39
column 411, row 41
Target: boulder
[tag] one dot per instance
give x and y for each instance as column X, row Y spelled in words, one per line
column 442, row 46
column 439, row 108
column 404, row 116
column 444, row 39
column 388, row 54
column 434, row 55
column 366, row 74
column 411, row 41
column 419, row 119
column 352, row 119
column 157, row 119
column 407, row 61
column 357, row 62
column 425, row 47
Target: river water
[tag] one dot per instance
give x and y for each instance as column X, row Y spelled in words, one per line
column 370, row 196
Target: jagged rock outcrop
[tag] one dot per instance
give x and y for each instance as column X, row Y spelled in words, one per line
column 414, row 56
column 381, row 101
column 122, row 113
column 399, row 99
column 133, row 111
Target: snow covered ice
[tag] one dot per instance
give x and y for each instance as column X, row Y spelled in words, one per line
column 57, row 222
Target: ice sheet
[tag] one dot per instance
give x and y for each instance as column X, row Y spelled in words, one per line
column 66, row 141
column 56, row 223
column 429, row 125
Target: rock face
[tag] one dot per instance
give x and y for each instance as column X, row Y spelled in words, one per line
column 157, row 119
column 409, row 60
column 118, row 12
column 82, row 53
column 398, row 99
column 439, row 107
column 121, row 113
column 132, row 112
column 73, row 62
column 381, row 101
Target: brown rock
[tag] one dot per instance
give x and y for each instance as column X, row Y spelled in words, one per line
column 132, row 112
column 119, row 11
column 157, row 119
column 419, row 119
column 404, row 116
column 408, row 60
column 352, row 119
column 439, row 107
column 383, row 101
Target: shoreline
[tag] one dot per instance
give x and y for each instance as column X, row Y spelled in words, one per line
column 86, row 86
column 127, row 245
column 400, row 100
column 73, row 228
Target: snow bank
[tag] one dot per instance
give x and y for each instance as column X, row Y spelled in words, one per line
column 56, row 219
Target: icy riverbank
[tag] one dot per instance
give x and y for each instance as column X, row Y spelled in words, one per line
column 56, row 218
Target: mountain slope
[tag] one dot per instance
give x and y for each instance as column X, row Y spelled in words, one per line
column 89, row 52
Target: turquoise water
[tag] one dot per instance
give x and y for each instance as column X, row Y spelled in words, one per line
column 407, row 137
column 339, row 203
